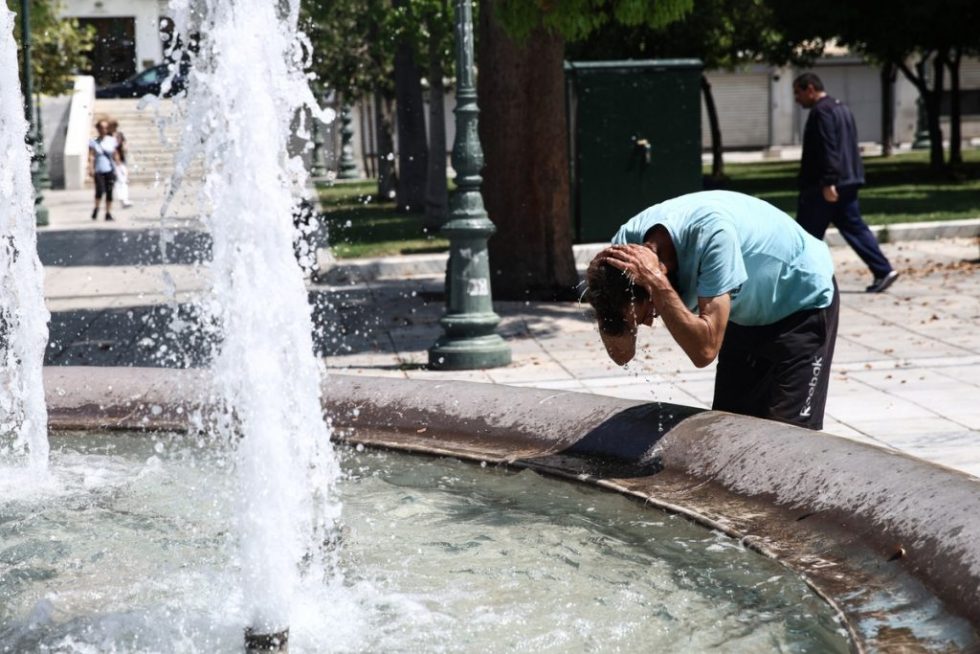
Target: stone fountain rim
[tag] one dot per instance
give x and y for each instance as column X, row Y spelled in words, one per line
column 791, row 494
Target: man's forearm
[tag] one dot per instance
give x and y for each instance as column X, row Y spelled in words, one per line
column 693, row 332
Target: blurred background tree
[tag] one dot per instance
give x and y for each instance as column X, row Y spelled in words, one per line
column 424, row 31
column 58, row 46
column 523, row 129
column 383, row 50
column 353, row 57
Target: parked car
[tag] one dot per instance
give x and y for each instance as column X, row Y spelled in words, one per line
column 146, row 82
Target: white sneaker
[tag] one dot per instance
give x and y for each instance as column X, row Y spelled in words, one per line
column 880, row 284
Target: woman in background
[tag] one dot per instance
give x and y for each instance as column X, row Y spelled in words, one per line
column 122, row 174
column 102, row 162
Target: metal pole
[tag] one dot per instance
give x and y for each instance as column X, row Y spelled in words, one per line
column 25, row 44
column 347, row 165
column 469, row 341
column 42, row 155
column 318, row 164
column 40, row 211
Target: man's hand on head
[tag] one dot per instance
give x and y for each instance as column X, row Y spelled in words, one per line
column 639, row 263
column 598, row 260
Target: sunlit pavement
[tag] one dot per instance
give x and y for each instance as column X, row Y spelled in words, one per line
column 906, row 373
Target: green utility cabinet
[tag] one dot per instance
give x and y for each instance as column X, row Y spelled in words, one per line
column 634, row 139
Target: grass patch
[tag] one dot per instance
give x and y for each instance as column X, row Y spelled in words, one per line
column 361, row 225
column 899, row 189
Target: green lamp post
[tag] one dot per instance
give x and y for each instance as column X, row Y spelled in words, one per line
column 318, row 164
column 33, row 136
column 42, row 156
column 469, row 341
column 347, row 166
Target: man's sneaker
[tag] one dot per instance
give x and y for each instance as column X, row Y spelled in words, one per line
column 95, row 214
column 108, row 216
column 882, row 283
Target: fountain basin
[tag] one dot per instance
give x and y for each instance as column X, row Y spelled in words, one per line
column 892, row 542
column 133, row 548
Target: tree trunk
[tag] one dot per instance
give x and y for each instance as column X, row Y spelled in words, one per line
column 955, row 111
column 717, row 158
column 936, row 154
column 523, row 129
column 931, row 105
column 384, row 112
column 412, row 147
column 436, row 191
column 887, row 109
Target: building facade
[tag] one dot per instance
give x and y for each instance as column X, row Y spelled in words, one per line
column 756, row 109
column 130, row 35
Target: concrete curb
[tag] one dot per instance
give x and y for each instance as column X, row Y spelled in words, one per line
column 874, row 532
column 366, row 270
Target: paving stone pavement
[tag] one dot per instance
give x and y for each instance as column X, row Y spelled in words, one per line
column 906, row 373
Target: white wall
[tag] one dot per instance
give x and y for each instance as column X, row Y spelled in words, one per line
column 785, row 119
column 79, row 131
column 858, row 85
column 906, row 110
column 742, row 100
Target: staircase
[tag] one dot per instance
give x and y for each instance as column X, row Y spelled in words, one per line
column 148, row 160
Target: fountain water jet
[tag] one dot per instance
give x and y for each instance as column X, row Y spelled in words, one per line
column 23, row 316
column 806, row 498
column 245, row 88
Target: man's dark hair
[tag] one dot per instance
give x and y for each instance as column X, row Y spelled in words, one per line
column 610, row 292
column 808, row 79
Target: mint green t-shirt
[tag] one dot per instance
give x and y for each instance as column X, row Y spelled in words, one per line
column 733, row 243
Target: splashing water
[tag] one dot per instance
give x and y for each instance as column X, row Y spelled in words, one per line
column 23, row 316
column 246, row 86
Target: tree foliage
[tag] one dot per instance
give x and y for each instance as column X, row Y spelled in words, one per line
column 352, row 54
column 577, row 19
column 58, row 46
column 427, row 27
column 723, row 34
column 354, row 41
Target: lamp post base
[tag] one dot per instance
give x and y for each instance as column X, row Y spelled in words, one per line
column 266, row 643
column 469, row 353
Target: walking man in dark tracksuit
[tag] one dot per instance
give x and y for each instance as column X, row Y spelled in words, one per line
column 831, row 172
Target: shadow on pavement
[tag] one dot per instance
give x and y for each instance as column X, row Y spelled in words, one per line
column 123, row 247
column 386, row 317
column 147, row 336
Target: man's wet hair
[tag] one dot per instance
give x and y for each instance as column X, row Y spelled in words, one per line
column 609, row 292
column 808, row 79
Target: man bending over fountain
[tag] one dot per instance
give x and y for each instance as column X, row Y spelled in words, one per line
column 734, row 279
